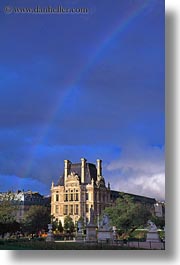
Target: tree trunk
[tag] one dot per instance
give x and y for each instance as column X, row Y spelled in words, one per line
column 132, row 230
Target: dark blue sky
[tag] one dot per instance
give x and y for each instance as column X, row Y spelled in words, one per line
column 83, row 85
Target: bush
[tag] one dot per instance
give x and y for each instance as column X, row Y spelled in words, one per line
column 38, row 239
column 1, row 242
column 139, row 234
column 35, row 245
column 59, row 237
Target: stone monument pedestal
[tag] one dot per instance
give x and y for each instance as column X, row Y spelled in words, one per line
column 79, row 237
column 80, row 234
column 91, row 232
column 105, row 235
column 105, row 232
column 153, row 236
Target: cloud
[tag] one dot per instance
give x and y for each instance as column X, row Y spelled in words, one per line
column 139, row 171
column 29, row 158
column 80, row 97
column 14, row 183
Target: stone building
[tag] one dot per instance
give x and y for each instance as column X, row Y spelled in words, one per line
column 23, row 200
column 81, row 187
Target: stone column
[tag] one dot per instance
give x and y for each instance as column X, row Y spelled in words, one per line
column 99, row 167
column 83, row 169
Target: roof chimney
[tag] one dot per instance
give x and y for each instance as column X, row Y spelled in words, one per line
column 66, row 169
column 99, row 167
column 83, row 169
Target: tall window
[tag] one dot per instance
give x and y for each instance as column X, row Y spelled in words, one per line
column 87, row 196
column 71, row 209
column 76, row 209
column 57, row 209
column 57, row 197
column 65, row 210
column 65, row 197
column 76, row 196
column 71, row 196
column 87, row 208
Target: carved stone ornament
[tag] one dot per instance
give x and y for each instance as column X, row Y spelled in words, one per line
column 73, row 177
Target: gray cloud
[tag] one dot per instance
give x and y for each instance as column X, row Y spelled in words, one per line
column 139, row 171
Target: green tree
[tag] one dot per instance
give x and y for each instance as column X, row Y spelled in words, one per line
column 54, row 225
column 57, row 226
column 159, row 221
column 68, row 225
column 36, row 219
column 83, row 226
column 81, row 219
column 60, row 227
column 8, row 212
column 127, row 215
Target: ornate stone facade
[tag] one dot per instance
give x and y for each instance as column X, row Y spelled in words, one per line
column 81, row 187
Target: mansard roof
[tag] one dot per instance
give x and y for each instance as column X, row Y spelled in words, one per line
column 137, row 198
column 91, row 173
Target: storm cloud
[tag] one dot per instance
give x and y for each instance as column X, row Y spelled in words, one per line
column 91, row 86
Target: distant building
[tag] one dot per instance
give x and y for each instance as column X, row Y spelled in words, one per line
column 24, row 200
column 81, row 187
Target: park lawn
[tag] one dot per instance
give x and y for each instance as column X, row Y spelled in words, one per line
column 58, row 246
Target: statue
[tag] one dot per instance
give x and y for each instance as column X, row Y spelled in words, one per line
column 91, row 215
column 152, row 234
column 152, row 226
column 105, row 222
column 91, row 227
column 105, row 232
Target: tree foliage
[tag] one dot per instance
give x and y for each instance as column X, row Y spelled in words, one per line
column 68, row 225
column 127, row 215
column 8, row 212
column 60, row 227
column 159, row 221
column 36, row 219
column 81, row 219
column 57, row 226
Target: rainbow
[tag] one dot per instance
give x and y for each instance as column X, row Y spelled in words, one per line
column 75, row 79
